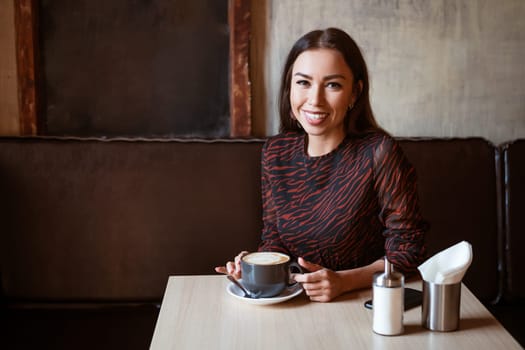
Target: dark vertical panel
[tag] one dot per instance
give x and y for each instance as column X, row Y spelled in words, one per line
column 514, row 163
column 135, row 68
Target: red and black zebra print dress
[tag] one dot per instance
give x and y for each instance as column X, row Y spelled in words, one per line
column 344, row 209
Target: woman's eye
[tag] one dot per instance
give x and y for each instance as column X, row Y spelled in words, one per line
column 302, row 82
column 333, row 85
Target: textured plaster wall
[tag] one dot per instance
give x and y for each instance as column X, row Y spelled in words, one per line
column 439, row 68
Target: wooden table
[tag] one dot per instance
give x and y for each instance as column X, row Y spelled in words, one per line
column 198, row 313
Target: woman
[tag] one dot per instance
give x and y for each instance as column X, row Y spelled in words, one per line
column 338, row 193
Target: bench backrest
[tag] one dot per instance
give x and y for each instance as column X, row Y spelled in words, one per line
column 458, row 191
column 111, row 220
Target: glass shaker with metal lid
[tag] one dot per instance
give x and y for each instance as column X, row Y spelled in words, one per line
column 388, row 301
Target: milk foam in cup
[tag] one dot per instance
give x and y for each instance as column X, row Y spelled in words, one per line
column 266, row 258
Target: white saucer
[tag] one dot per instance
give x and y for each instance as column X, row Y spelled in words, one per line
column 288, row 293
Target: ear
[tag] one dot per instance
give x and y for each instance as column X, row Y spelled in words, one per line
column 359, row 88
column 357, row 92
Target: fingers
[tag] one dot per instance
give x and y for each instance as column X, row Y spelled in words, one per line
column 310, row 281
column 232, row 267
column 321, row 298
column 308, row 265
column 239, row 257
column 221, row 269
column 321, row 285
column 313, row 283
column 320, row 292
column 312, row 277
column 229, row 269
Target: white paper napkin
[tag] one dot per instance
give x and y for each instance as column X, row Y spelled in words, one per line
column 449, row 265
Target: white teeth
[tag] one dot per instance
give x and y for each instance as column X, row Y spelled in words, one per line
column 315, row 116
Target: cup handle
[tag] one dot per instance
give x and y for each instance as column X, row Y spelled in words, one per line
column 293, row 265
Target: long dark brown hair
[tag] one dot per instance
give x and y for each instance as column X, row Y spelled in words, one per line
column 360, row 118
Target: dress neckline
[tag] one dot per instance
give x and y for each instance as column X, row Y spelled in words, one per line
column 330, row 154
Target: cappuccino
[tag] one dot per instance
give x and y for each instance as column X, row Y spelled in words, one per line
column 266, row 274
column 266, row 258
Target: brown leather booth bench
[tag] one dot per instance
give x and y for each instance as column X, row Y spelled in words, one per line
column 92, row 228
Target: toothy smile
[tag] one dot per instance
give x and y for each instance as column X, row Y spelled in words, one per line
column 315, row 115
column 314, row 118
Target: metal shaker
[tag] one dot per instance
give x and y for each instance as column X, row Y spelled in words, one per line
column 388, row 301
column 441, row 306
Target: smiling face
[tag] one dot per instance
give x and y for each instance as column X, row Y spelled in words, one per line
column 322, row 88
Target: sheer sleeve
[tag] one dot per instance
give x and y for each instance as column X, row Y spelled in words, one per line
column 270, row 237
column 395, row 183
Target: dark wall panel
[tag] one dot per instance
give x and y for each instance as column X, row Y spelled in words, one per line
column 135, row 68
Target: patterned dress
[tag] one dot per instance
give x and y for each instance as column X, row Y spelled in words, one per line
column 345, row 209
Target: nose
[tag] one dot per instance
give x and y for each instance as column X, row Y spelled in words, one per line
column 315, row 95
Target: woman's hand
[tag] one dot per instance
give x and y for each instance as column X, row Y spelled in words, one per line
column 232, row 268
column 320, row 284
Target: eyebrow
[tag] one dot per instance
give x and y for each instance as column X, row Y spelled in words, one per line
column 328, row 77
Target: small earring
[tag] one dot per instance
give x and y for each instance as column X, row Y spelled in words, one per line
column 350, row 106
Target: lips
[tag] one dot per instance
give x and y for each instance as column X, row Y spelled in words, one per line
column 314, row 118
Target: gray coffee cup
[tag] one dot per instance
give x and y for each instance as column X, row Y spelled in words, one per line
column 441, row 306
column 267, row 274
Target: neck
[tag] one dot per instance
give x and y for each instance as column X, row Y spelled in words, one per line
column 319, row 146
